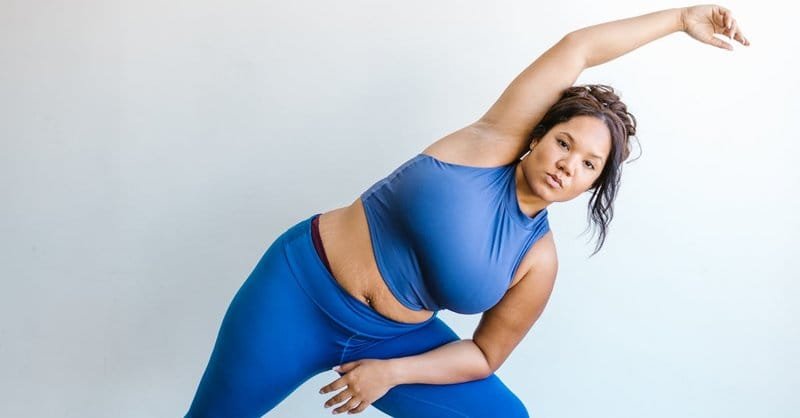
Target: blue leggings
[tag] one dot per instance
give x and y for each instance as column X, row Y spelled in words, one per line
column 291, row 320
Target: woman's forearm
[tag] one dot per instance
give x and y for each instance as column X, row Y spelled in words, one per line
column 606, row 41
column 455, row 362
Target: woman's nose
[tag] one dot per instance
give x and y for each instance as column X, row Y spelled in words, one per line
column 566, row 167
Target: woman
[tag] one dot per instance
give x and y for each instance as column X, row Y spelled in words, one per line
column 460, row 226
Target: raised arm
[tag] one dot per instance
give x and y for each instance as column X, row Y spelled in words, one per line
column 525, row 101
column 510, row 120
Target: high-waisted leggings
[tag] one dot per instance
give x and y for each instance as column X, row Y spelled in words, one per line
column 291, row 320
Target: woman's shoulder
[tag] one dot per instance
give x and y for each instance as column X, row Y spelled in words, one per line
column 542, row 255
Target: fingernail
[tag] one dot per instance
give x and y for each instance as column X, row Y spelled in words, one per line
column 336, row 368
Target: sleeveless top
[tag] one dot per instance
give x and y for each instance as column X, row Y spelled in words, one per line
column 449, row 236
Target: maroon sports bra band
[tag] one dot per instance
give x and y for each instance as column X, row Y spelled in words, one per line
column 318, row 243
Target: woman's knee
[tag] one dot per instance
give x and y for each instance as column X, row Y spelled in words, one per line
column 514, row 408
column 487, row 398
column 500, row 400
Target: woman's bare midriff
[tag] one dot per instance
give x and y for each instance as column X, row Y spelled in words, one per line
column 345, row 237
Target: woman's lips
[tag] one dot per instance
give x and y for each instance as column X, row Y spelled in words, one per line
column 552, row 181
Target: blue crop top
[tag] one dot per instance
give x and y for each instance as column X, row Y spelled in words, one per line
column 449, row 236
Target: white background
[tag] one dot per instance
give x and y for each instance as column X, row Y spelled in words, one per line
column 151, row 151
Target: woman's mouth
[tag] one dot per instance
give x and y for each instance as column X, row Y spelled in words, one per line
column 551, row 180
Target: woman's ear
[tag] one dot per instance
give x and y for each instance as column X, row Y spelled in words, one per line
column 530, row 148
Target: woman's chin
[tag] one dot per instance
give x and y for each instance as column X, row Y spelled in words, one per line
column 549, row 193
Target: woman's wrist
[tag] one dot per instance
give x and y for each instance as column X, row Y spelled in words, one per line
column 396, row 376
column 682, row 19
column 680, row 13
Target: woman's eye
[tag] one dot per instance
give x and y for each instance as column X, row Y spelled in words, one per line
column 562, row 142
column 590, row 165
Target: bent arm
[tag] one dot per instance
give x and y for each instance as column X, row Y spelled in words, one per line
column 501, row 328
column 606, row 41
column 455, row 362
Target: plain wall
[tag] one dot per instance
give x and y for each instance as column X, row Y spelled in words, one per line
column 151, row 151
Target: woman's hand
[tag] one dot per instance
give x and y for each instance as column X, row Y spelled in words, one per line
column 366, row 381
column 702, row 22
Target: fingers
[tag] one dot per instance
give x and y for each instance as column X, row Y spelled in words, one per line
column 346, row 367
column 731, row 29
column 339, row 398
column 744, row 41
column 736, row 34
column 360, row 408
column 336, row 384
column 352, row 403
column 719, row 43
column 727, row 17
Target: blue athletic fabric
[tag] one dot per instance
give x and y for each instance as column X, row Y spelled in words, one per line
column 449, row 236
column 291, row 320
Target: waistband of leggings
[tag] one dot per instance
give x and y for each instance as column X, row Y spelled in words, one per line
column 329, row 295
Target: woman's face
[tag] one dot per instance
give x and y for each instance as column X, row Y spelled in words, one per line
column 574, row 151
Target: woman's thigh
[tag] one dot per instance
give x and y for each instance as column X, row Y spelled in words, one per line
column 271, row 340
column 487, row 397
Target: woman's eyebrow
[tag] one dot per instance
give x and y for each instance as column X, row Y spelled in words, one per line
column 593, row 155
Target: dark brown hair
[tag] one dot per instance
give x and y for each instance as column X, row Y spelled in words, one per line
column 600, row 101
